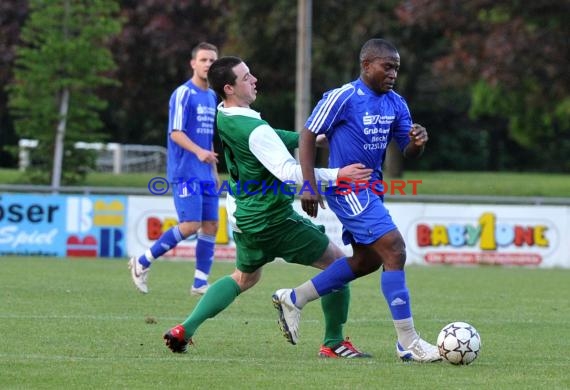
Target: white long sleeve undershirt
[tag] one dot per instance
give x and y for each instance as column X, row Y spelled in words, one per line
column 270, row 150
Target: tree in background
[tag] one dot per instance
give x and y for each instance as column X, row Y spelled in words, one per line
column 152, row 52
column 514, row 57
column 268, row 43
column 62, row 62
column 487, row 78
column 12, row 16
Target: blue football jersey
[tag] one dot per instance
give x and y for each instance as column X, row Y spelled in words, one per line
column 193, row 111
column 359, row 124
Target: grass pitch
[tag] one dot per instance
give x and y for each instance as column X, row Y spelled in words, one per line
column 80, row 324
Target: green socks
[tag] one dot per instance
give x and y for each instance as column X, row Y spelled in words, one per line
column 219, row 296
column 335, row 308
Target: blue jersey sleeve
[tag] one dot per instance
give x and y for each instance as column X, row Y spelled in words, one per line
column 328, row 111
column 402, row 124
column 178, row 110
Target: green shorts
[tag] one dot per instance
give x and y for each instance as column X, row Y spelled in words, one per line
column 295, row 240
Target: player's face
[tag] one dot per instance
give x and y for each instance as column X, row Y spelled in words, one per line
column 243, row 90
column 202, row 62
column 380, row 72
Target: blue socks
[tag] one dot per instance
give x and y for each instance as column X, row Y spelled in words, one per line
column 167, row 241
column 334, row 277
column 171, row 238
column 393, row 284
column 204, row 259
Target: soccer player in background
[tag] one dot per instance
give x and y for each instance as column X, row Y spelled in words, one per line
column 264, row 223
column 191, row 161
column 359, row 119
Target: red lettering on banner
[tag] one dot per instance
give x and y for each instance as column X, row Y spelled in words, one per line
column 153, row 228
column 524, row 236
column 77, row 247
column 423, row 235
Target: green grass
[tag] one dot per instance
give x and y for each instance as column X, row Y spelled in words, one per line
column 95, row 179
column 10, row 176
column 139, row 180
column 433, row 183
column 491, row 183
column 80, row 324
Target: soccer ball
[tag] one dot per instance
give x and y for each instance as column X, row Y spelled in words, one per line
column 459, row 343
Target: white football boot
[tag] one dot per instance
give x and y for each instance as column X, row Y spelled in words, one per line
column 199, row 290
column 139, row 274
column 289, row 314
column 419, row 351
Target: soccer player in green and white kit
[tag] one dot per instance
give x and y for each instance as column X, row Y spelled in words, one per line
column 264, row 222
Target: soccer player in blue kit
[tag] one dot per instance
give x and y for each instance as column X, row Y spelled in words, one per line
column 359, row 119
column 191, row 166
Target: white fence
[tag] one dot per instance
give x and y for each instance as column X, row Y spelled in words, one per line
column 111, row 157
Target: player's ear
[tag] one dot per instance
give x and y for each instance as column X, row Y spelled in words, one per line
column 228, row 89
column 365, row 64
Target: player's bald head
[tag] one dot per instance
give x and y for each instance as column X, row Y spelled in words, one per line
column 375, row 48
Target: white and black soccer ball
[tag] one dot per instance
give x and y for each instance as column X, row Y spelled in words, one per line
column 459, row 343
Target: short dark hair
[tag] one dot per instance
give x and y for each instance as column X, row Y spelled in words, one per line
column 203, row 46
column 221, row 73
column 376, row 47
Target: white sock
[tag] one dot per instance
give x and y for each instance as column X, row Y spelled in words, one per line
column 406, row 331
column 305, row 293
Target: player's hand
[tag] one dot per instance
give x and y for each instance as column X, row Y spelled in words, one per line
column 207, row 156
column 418, row 135
column 322, row 141
column 311, row 202
column 355, row 172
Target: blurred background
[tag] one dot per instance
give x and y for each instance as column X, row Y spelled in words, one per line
column 488, row 79
column 84, row 94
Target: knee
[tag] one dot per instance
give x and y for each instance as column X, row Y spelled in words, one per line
column 210, row 227
column 245, row 281
column 395, row 256
column 188, row 228
column 331, row 254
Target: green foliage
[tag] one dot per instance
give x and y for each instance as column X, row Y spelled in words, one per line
column 518, row 49
column 562, row 113
column 152, row 52
column 64, row 47
column 80, row 324
column 497, row 14
column 530, row 119
column 514, row 57
column 487, row 100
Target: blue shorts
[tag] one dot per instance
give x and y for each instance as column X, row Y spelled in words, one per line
column 194, row 207
column 363, row 216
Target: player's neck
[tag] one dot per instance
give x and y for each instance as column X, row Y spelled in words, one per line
column 231, row 103
column 200, row 83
